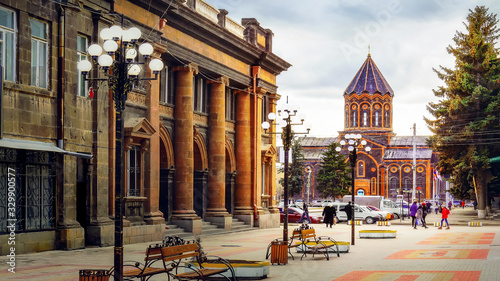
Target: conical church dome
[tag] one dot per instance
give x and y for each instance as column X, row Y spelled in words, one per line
column 369, row 80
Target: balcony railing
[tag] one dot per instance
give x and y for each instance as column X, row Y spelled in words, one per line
column 212, row 13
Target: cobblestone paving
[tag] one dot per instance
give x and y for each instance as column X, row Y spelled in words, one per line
column 461, row 253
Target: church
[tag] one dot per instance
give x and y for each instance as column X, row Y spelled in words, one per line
column 387, row 169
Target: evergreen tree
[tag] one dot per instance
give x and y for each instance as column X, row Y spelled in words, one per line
column 334, row 178
column 295, row 170
column 466, row 125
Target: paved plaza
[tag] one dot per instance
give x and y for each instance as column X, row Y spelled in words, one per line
column 461, row 253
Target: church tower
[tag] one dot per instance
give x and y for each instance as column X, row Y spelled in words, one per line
column 368, row 102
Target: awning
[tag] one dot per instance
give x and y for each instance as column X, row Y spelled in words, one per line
column 39, row 146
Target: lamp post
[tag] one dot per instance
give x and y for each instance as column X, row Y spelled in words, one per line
column 353, row 140
column 287, row 134
column 121, row 70
column 308, row 171
column 409, row 192
column 419, row 191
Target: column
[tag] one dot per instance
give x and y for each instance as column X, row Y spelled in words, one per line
column 273, row 99
column 152, row 214
column 243, row 189
column 216, row 211
column 183, row 213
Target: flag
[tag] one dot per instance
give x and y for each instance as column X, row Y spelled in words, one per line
column 437, row 176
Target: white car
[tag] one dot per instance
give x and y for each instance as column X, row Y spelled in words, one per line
column 326, row 203
column 385, row 215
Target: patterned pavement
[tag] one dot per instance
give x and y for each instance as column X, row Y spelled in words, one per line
column 461, row 253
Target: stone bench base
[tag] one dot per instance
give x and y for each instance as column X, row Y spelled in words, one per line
column 355, row 222
column 344, row 247
column 384, row 223
column 377, row 234
column 243, row 269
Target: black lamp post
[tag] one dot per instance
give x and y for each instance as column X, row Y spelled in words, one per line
column 353, row 140
column 121, row 72
column 287, row 134
column 409, row 192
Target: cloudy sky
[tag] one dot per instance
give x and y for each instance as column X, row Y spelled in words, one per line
column 326, row 41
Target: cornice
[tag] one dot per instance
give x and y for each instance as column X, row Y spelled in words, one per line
column 193, row 24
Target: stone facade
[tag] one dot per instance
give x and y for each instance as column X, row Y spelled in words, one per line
column 191, row 155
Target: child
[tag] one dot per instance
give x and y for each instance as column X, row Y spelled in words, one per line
column 444, row 217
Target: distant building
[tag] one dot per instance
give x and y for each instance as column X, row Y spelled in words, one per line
column 387, row 169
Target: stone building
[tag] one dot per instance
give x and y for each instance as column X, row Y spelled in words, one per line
column 387, row 169
column 194, row 149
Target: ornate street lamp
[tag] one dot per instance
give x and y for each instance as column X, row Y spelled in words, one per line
column 285, row 119
column 353, row 140
column 121, row 69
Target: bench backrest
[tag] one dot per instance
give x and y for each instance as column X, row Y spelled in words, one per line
column 172, row 253
column 308, row 233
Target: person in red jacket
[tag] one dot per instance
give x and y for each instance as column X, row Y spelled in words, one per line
column 444, row 217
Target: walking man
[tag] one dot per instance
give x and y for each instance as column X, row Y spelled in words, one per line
column 348, row 211
column 305, row 214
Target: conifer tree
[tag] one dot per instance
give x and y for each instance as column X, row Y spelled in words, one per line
column 295, row 170
column 466, row 124
column 334, row 178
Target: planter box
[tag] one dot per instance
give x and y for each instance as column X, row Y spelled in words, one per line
column 377, row 234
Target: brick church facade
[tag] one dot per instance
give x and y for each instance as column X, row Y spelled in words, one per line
column 386, row 170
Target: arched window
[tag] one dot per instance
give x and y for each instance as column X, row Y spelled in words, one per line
column 387, row 116
column 365, row 119
column 361, row 192
column 376, row 119
column 373, row 184
column 353, row 122
column 361, row 169
column 393, row 186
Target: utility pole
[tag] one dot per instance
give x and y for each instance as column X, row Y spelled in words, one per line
column 414, row 166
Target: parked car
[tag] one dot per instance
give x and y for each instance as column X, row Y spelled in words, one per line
column 317, row 203
column 385, row 214
column 359, row 214
column 294, row 215
column 326, row 202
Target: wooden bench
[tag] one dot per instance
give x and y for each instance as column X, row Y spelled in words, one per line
column 174, row 255
column 317, row 243
column 153, row 264
column 307, row 239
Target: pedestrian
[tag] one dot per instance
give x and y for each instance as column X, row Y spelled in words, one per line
column 329, row 214
column 462, row 204
column 348, row 211
column 441, row 207
column 475, row 205
column 436, row 207
column 420, row 216
column 305, row 214
column 425, row 210
column 413, row 213
column 449, row 205
column 444, row 218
